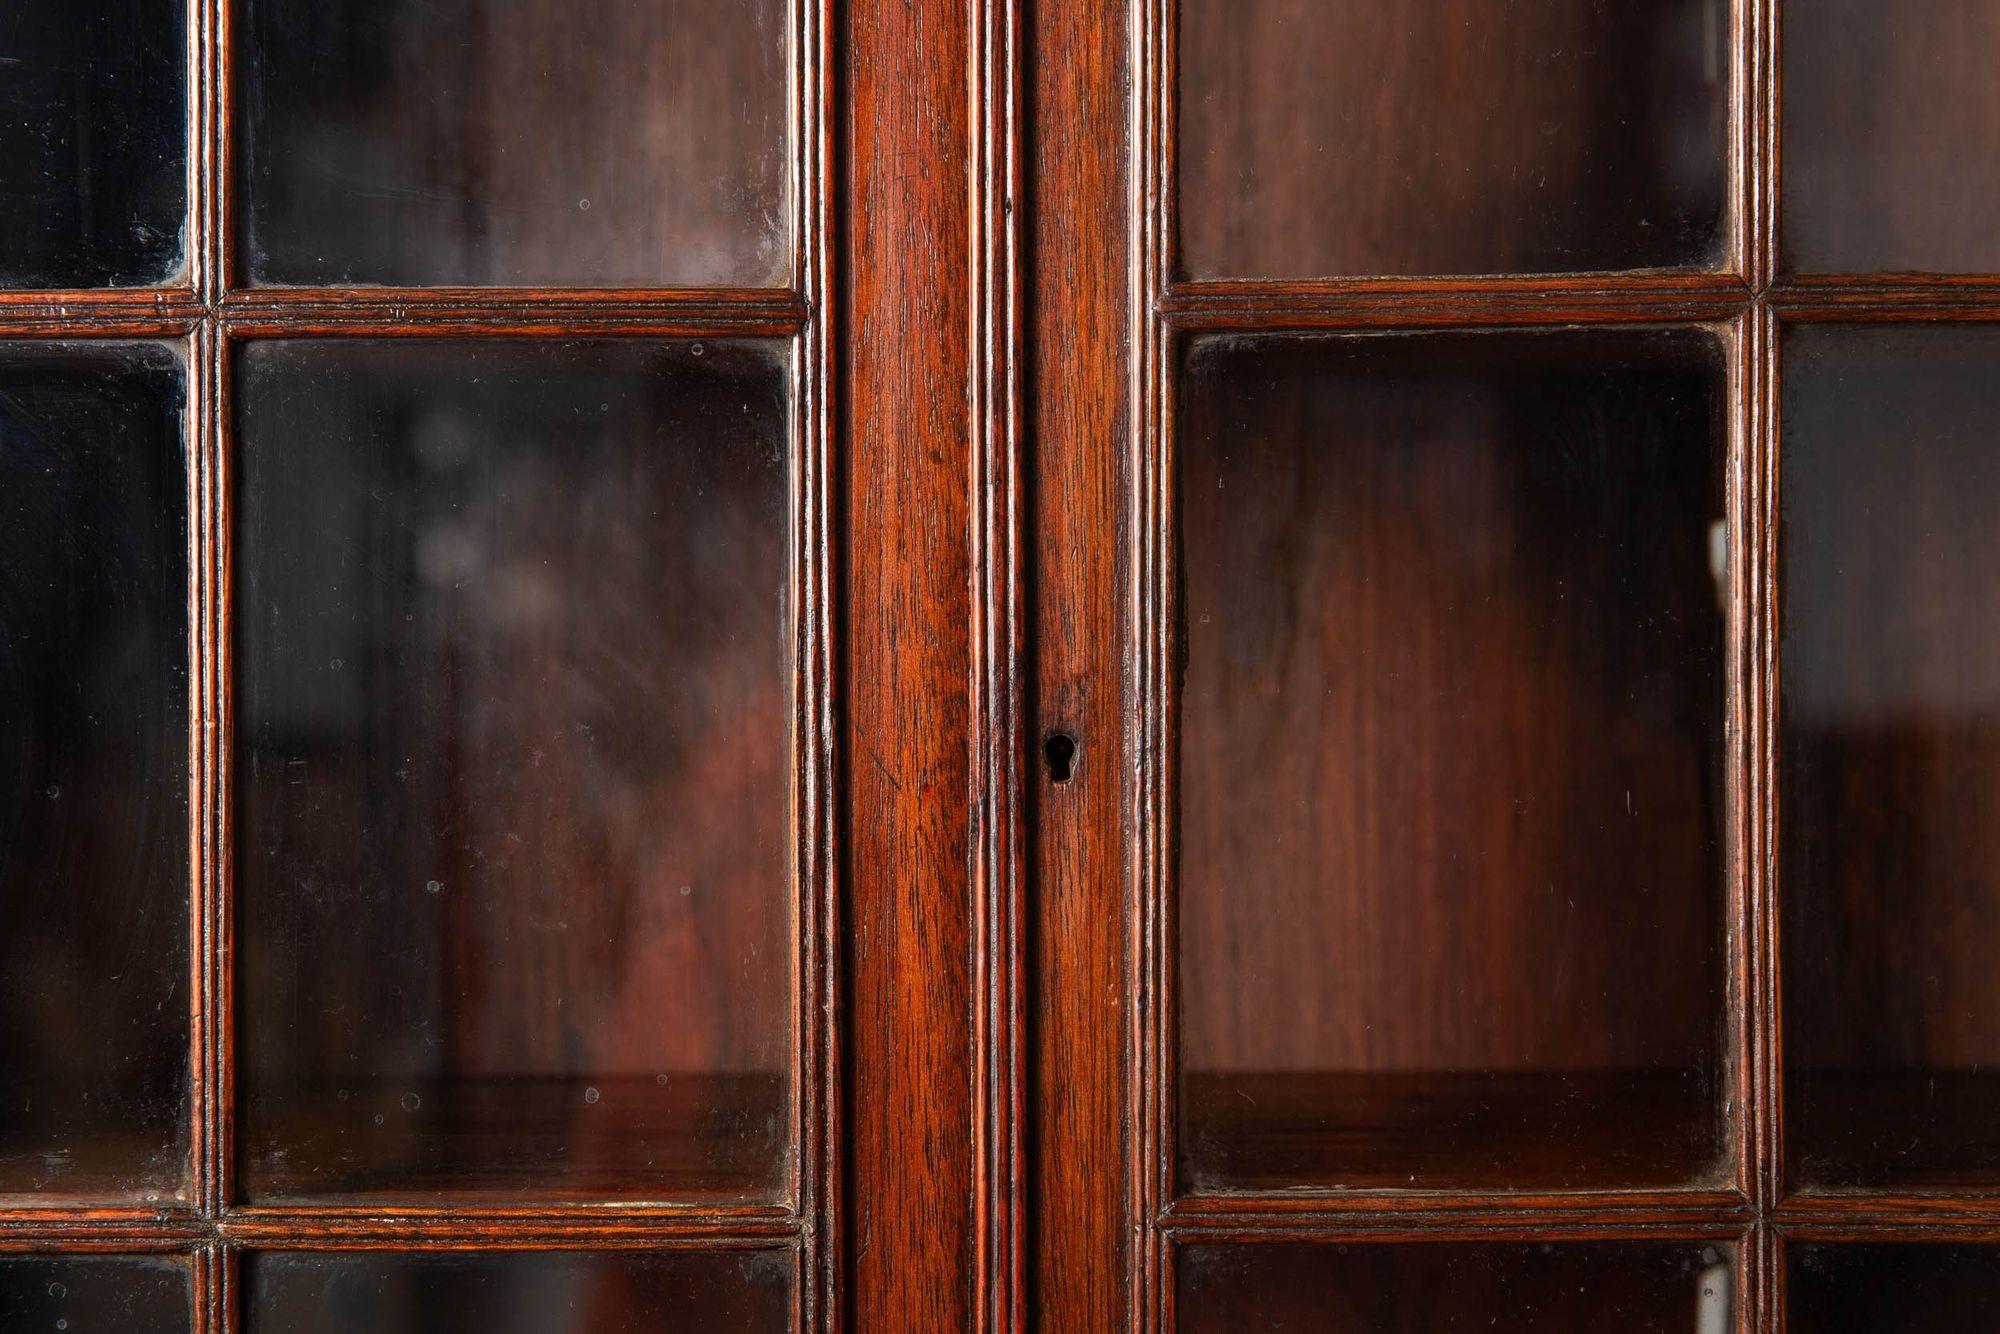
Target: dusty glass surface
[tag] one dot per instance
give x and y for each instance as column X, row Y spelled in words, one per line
column 571, row 1292
column 96, row 1294
column 94, row 899
column 1329, row 138
column 1891, row 137
column 1675, row 1287
column 93, row 142
column 1889, row 752
column 514, row 838
column 558, row 143
column 1451, row 888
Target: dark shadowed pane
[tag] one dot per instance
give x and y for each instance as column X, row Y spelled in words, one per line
column 1672, row 1287
column 1451, row 885
column 657, row 1292
column 1890, row 1289
column 1890, row 747
column 94, row 899
column 1321, row 138
column 563, row 143
column 1892, row 137
column 514, row 836
column 93, row 142
column 78, row 1294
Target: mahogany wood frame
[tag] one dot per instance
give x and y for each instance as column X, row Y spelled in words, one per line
column 982, row 310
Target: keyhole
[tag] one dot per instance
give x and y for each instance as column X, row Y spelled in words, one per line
column 1060, row 751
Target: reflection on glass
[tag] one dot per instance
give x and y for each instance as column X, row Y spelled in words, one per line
column 1890, row 1289
column 1322, row 138
column 1451, row 892
column 715, row 1292
column 93, row 142
column 94, row 902
column 1674, row 1287
column 562, row 143
column 514, row 833
column 86, row 1294
column 1890, row 752
column 1892, row 137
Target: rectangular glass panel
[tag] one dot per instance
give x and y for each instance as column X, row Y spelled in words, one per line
column 1890, row 753
column 86, row 1294
column 559, row 143
column 1669, row 1287
column 1898, row 1288
column 716, row 1292
column 514, row 838
column 1323, row 138
column 1892, row 137
column 1451, row 904
column 93, row 142
column 94, row 899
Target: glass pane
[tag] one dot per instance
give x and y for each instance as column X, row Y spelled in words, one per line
column 1321, row 138
column 93, row 142
column 96, row 1294
column 1891, row 1289
column 561, row 143
column 716, row 1292
column 1890, row 750
column 515, row 844
column 1672, row 1287
column 1892, row 136
column 94, row 899
column 1451, row 905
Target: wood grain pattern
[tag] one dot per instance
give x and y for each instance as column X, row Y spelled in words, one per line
column 906, row 333
column 894, row 304
column 999, row 747
column 1079, row 924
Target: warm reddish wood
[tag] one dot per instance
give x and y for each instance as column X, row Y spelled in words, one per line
column 929, row 1233
column 906, row 325
column 999, row 751
column 1079, row 377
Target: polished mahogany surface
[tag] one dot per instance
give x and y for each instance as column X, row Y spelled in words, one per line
column 526, row 1292
column 93, row 142
column 94, row 902
column 1891, row 131
column 515, row 771
column 1890, row 753
column 1666, row 1287
column 86, row 1294
column 1322, row 138
column 1452, row 903
column 593, row 143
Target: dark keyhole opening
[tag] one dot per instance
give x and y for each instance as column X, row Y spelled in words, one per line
column 1060, row 751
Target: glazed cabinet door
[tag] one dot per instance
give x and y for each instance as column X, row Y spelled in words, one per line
column 1507, row 546
column 431, row 901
